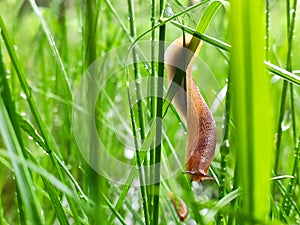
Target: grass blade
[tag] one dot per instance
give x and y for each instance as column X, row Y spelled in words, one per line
column 251, row 108
column 283, row 73
column 24, row 181
column 23, row 82
column 64, row 81
column 33, row 107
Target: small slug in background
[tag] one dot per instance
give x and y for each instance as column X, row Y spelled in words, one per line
column 179, row 206
column 201, row 127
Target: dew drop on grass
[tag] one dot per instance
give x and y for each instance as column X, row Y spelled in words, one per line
column 169, row 11
column 195, row 185
column 118, row 98
column 81, row 196
column 110, row 113
column 8, row 74
column 119, row 86
column 30, row 138
column 285, row 126
column 22, row 94
column 275, row 79
column 128, row 153
column 138, row 81
column 292, row 11
column 227, row 143
column 135, row 203
column 204, row 211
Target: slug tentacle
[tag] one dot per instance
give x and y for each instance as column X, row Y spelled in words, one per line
column 201, row 127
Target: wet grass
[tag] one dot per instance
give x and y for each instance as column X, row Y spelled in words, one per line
column 53, row 171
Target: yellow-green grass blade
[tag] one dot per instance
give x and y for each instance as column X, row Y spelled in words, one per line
column 251, row 108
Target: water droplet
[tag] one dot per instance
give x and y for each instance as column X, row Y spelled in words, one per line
column 139, row 81
column 8, row 73
column 128, row 153
column 196, row 185
column 285, row 126
column 118, row 98
column 227, row 143
column 204, row 211
column 23, row 95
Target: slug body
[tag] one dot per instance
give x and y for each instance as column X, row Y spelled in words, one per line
column 201, row 127
column 179, row 205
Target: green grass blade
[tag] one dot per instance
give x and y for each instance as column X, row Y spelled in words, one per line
column 225, row 201
column 62, row 217
column 64, row 79
column 62, row 82
column 51, row 190
column 225, row 147
column 2, row 219
column 289, row 76
column 206, row 19
column 139, row 164
column 163, row 21
column 63, row 45
column 155, row 188
column 267, row 29
column 251, row 108
column 23, row 82
column 283, row 73
column 152, row 100
column 143, row 150
column 40, row 124
column 24, row 181
column 111, row 207
column 284, row 192
column 10, row 107
column 141, row 128
column 29, row 129
column 291, row 14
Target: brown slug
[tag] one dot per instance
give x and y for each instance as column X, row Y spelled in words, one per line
column 201, row 127
column 179, row 206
